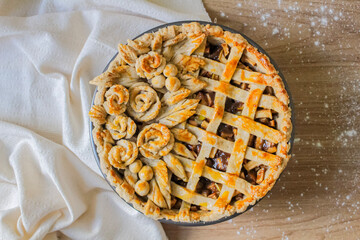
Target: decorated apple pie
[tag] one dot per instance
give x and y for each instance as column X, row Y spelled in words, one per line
column 191, row 123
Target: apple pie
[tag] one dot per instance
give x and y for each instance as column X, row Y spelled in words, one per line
column 191, row 123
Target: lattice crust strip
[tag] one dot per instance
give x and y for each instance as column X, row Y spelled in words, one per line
column 219, row 103
column 266, row 101
column 241, row 142
column 245, row 125
column 240, row 75
column 217, row 176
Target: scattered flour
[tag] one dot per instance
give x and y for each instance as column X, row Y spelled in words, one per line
column 350, row 133
column 318, row 144
column 346, row 136
column 324, row 21
column 275, row 31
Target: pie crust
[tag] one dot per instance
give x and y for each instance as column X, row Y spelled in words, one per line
column 191, row 123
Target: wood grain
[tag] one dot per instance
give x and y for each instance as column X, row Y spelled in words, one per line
column 316, row 45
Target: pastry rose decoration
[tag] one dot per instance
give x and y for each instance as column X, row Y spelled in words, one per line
column 123, row 154
column 150, row 65
column 144, row 102
column 116, row 99
column 155, row 141
column 121, row 126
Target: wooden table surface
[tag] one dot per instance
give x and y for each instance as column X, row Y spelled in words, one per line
column 317, row 46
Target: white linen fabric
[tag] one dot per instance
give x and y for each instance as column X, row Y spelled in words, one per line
column 50, row 184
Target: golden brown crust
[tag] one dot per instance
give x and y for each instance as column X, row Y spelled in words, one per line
column 171, row 98
column 189, row 63
column 155, row 141
column 97, row 114
column 174, row 52
column 123, row 154
column 127, row 54
column 174, row 114
column 150, row 65
column 184, row 135
column 144, row 102
column 116, row 99
column 120, row 127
